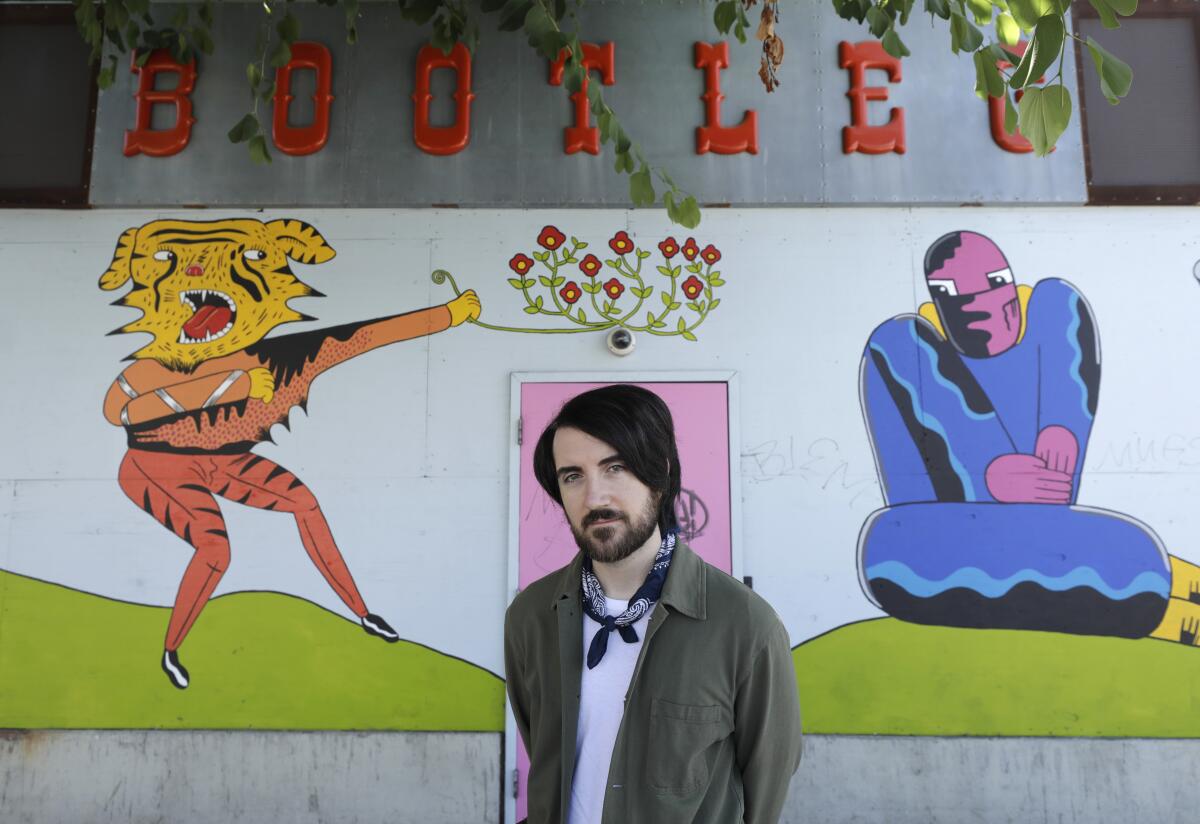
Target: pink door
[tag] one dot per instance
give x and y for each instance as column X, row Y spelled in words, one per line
column 701, row 414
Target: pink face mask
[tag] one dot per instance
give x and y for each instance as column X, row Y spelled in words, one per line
column 972, row 287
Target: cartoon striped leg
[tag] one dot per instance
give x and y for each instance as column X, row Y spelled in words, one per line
column 1182, row 620
column 170, row 491
column 256, row 481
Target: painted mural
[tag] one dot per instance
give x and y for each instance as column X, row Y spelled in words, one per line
column 979, row 410
column 616, row 302
column 209, row 386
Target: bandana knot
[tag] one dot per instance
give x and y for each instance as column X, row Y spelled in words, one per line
column 596, row 607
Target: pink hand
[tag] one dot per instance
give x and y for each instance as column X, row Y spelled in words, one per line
column 1025, row 479
column 1056, row 445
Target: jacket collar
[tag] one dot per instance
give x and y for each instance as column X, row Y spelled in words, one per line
column 685, row 590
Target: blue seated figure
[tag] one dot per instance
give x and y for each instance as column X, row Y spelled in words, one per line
column 979, row 410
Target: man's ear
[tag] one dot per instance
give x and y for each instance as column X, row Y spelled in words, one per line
column 119, row 271
column 300, row 241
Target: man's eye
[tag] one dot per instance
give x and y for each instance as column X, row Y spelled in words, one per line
column 1000, row 277
column 942, row 288
column 616, row 468
column 164, row 254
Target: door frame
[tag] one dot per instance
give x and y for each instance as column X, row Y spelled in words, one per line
column 516, row 437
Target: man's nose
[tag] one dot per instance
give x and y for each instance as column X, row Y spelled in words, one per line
column 195, row 270
column 597, row 495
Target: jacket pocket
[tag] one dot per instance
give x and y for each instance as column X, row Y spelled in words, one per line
column 684, row 741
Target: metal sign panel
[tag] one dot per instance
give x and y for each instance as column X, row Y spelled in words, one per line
column 515, row 155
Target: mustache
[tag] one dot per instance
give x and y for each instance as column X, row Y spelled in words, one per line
column 602, row 515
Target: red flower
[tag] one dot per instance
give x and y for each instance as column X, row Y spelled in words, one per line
column 621, row 243
column 669, row 248
column 520, row 264
column 590, row 265
column 613, row 288
column 710, row 254
column 692, row 287
column 570, row 293
column 690, row 249
column 551, row 238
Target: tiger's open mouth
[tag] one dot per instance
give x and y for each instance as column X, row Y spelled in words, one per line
column 213, row 314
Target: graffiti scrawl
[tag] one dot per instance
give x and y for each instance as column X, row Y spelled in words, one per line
column 210, row 385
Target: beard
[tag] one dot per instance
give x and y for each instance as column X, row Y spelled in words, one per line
column 617, row 541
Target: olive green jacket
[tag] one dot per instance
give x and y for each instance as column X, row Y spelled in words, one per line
column 711, row 731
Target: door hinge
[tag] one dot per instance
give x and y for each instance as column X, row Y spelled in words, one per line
column 516, row 782
column 520, row 431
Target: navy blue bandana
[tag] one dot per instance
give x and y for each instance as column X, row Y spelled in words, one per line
column 597, row 609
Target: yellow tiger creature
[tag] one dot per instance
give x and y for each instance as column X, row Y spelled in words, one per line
column 210, row 385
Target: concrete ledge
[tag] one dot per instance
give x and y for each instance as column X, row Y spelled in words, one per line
column 224, row 777
column 895, row 780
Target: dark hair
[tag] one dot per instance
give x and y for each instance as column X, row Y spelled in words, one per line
column 633, row 421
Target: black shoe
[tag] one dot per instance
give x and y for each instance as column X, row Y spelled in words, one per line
column 374, row 625
column 174, row 670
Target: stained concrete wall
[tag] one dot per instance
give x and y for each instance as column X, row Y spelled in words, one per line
column 212, row 777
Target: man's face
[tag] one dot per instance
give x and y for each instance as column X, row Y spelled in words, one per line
column 976, row 298
column 611, row 513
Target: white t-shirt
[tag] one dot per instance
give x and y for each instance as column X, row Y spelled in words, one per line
column 601, row 708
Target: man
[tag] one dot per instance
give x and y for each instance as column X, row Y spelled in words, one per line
column 647, row 685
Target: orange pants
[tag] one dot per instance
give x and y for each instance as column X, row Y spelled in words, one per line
column 178, row 490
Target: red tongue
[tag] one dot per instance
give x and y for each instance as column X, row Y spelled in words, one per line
column 208, row 320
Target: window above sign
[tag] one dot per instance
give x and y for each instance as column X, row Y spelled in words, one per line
column 1147, row 149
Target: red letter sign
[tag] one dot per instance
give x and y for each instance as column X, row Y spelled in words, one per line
column 860, row 136
column 1015, row 142
column 583, row 136
column 161, row 142
column 443, row 140
column 303, row 140
column 712, row 136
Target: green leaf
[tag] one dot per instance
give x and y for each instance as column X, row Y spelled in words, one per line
column 681, row 326
column 254, row 75
column 591, row 287
column 538, row 302
column 545, row 281
column 582, row 315
column 963, row 34
column 541, row 256
column 688, row 336
column 246, row 128
column 531, row 310
column 1010, row 114
column 641, row 188
column 724, row 15
column 1028, row 12
column 528, row 283
column 666, row 299
column 281, row 55
column 878, row 21
column 288, row 28
column 715, row 281
column 981, row 10
column 258, row 150
column 624, row 162
column 108, row 74
column 689, row 214
column 940, row 8
column 650, row 319
column 893, row 45
column 515, row 283
column 206, row 15
column 1008, row 30
column 1045, row 113
column 557, row 282
column 1043, row 50
column 1115, row 75
column 674, row 305
column 665, row 271
column 716, row 302
column 988, row 80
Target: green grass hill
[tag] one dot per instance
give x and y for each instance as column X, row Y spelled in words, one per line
column 69, row 659
column 888, row 677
